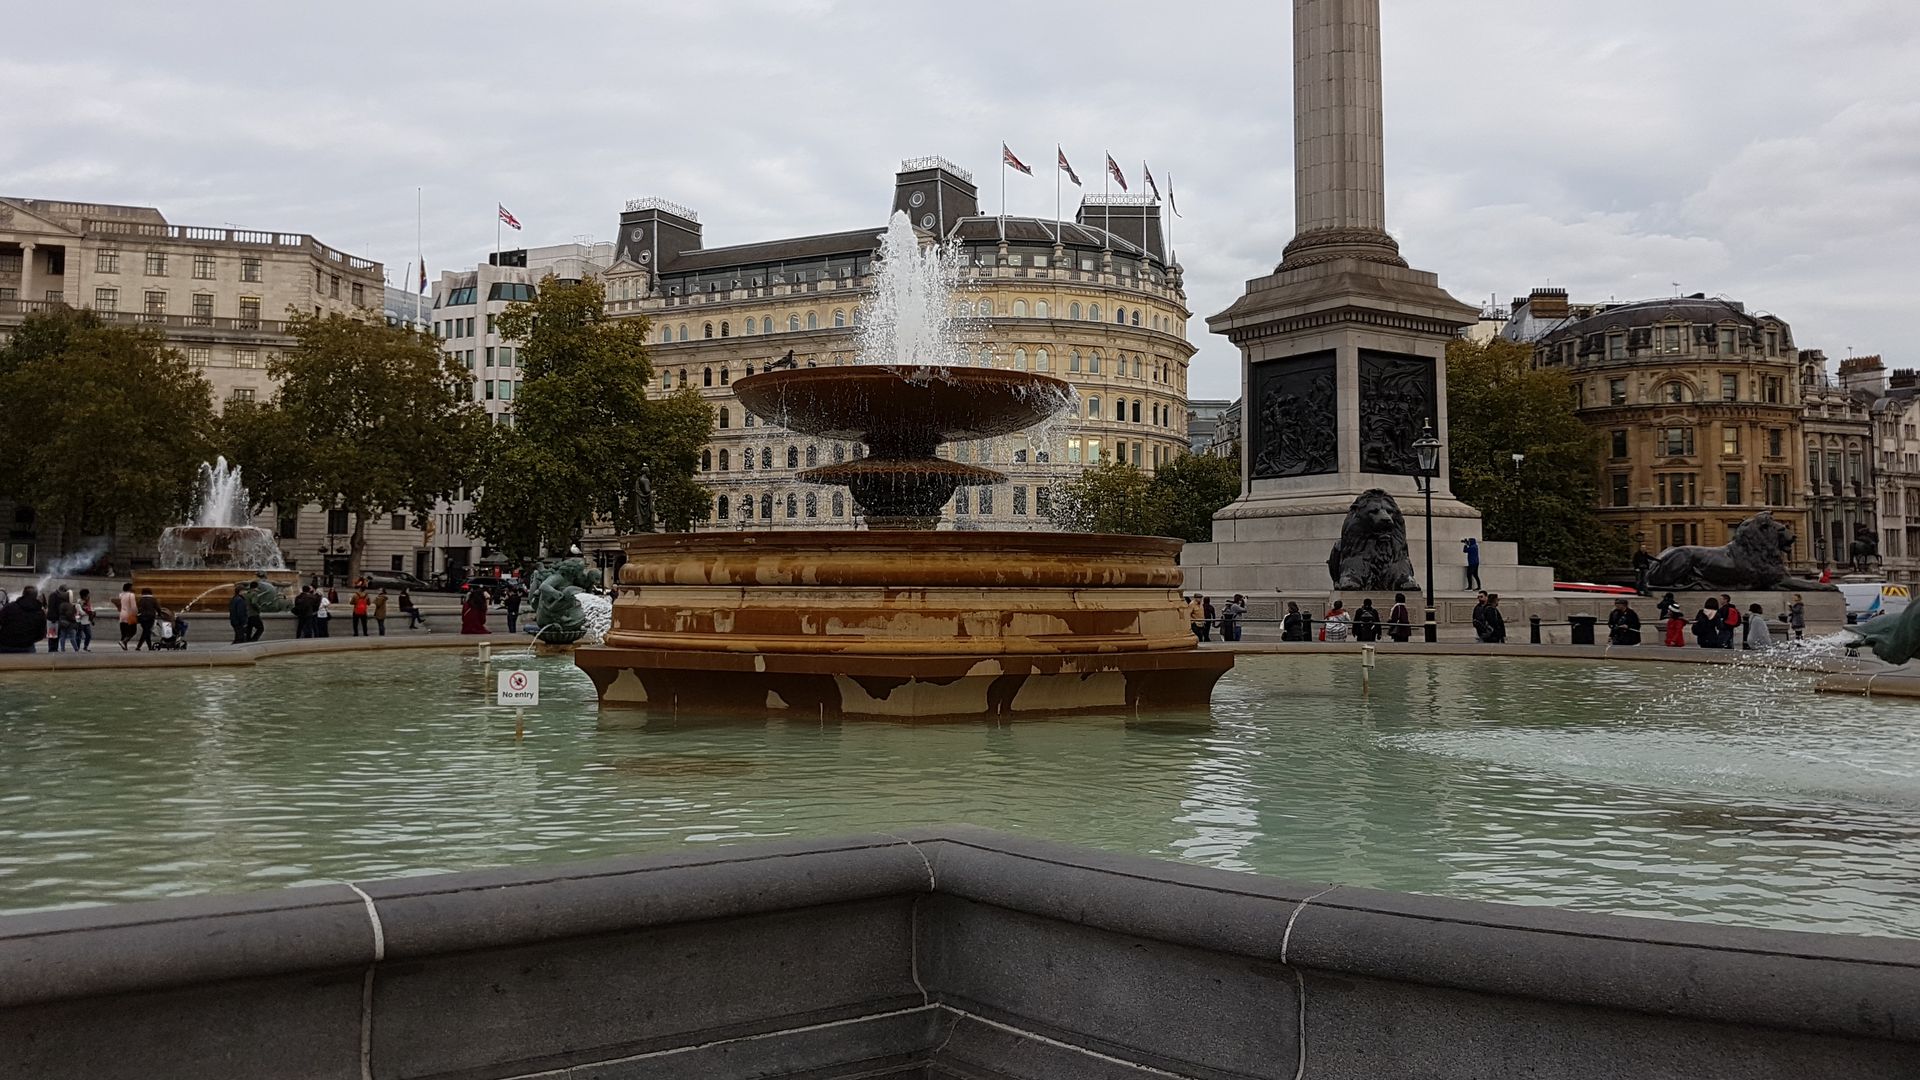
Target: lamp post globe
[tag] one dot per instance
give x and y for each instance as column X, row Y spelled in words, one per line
column 1426, row 451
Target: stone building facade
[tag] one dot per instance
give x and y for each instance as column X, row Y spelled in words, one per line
column 1094, row 302
column 1895, row 408
column 1699, row 406
column 221, row 296
column 1842, row 499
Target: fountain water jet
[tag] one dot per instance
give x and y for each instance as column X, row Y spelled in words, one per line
column 219, row 546
column 902, row 621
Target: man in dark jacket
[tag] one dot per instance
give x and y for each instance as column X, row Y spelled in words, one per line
column 1623, row 624
column 23, row 622
column 304, row 606
column 147, row 612
column 237, row 614
column 1493, row 624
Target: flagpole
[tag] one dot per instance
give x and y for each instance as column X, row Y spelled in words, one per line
column 1106, row 198
column 419, row 254
column 1058, row 155
column 1003, row 192
column 1166, row 225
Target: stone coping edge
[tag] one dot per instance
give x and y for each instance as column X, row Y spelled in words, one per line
column 1813, row 982
column 44, row 663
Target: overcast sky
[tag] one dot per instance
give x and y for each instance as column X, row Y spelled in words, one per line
column 1767, row 150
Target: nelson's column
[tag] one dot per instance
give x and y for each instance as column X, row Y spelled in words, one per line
column 1342, row 357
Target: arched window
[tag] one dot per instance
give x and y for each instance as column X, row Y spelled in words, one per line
column 960, row 501
column 666, row 380
column 726, row 329
column 706, row 461
column 1136, row 410
column 751, row 326
column 813, row 505
column 813, row 455
column 839, row 319
column 839, row 453
column 706, row 375
column 766, row 457
column 683, row 378
column 793, row 505
column 1040, row 309
column 793, row 323
column 682, row 335
column 986, row 308
column 1093, row 362
column 746, row 459
column 1093, row 312
column 1019, row 309
column 746, row 508
column 766, row 324
column 839, row 504
column 1136, row 316
column 766, row 506
column 1120, row 315
column 1019, row 357
column 666, row 335
column 749, row 367
column 1093, row 407
column 723, row 467
column 1073, row 361
column 1073, row 310
column 724, row 374
column 725, row 416
column 1676, row 392
column 1040, row 362
column 706, row 331
column 726, row 505
column 1120, row 409
column 813, row 321
column 793, row 457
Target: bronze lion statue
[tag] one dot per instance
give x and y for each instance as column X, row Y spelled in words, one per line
column 1372, row 552
column 1756, row 558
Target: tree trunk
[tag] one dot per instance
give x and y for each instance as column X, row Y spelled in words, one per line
column 357, row 550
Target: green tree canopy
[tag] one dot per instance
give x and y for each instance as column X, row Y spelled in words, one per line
column 585, row 428
column 1500, row 405
column 368, row 418
column 107, row 426
column 1179, row 500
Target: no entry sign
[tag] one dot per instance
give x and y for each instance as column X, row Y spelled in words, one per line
column 519, row 688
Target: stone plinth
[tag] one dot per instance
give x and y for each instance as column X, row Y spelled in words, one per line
column 204, row 589
column 900, row 625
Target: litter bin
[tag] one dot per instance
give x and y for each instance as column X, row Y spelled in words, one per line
column 1582, row 628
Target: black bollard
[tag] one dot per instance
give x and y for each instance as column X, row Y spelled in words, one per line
column 1533, row 622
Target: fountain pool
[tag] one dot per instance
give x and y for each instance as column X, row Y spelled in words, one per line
column 1527, row 781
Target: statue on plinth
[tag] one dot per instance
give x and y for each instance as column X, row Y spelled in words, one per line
column 1372, row 553
column 1755, row 559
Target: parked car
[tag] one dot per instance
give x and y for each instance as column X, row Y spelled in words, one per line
column 395, row 580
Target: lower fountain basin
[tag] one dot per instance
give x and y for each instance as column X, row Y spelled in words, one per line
column 206, row 588
column 901, row 624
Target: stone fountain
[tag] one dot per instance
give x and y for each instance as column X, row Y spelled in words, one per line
column 219, row 547
column 901, row 621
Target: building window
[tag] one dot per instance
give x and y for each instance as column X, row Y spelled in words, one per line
column 1093, row 407
column 246, row 358
column 706, row 376
column 1093, row 362
column 199, row 355
column 156, row 302
column 106, row 299
column 1120, row 409
column 1619, row 437
column 1616, row 391
column 250, row 309
column 1676, row 392
column 1676, row 489
column 106, row 262
column 203, row 307
column 1773, row 389
column 241, row 393
column 681, row 375
column 1729, row 387
column 725, row 375
column 746, row 507
column 813, row 504
column 1619, row 486
column 1073, row 360
column 1019, row 309
column 333, row 290
column 1734, row 496
column 1670, row 339
column 724, row 416
column 1019, row 359
column 1136, row 410
column 1676, row 442
column 960, row 501
column 1774, row 436
column 813, row 321
column 725, row 506
column 1729, row 441
column 1073, row 310
column 813, row 455
column 726, row 329
column 986, row 500
column 1728, row 338
column 706, row 461
column 156, row 264
column 766, row 457
column 766, row 507
column 706, row 331
column 249, row 268
column 793, row 457
column 1616, row 346
column 1856, row 466
column 203, row 267
column 793, row 324
column 1093, row 312
column 1020, row 500
column 840, row 503
column 1776, row 489
column 1040, row 309
column 1773, row 343
column 839, row 319
column 766, row 325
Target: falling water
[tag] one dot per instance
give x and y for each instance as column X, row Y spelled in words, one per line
column 220, row 532
column 1756, row 683
column 908, row 318
column 224, row 500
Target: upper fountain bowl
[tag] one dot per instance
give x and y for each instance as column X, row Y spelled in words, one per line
column 925, row 404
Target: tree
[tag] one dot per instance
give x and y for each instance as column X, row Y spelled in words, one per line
column 1191, row 489
column 369, row 418
column 585, row 428
column 1500, row 405
column 107, row 427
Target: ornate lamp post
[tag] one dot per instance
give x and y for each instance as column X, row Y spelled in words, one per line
column 1426, row 449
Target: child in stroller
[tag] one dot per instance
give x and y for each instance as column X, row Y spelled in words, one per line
column 170, row 631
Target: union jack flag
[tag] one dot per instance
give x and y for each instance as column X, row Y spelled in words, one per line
column 1007, row 158
column 512, row 222
column 1066, row 168
column 1113, row 170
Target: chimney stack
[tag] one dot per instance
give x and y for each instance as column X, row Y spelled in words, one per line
column 1866, row 373
column 1548, row 303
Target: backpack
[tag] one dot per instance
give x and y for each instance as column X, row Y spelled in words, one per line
column 1733, row 615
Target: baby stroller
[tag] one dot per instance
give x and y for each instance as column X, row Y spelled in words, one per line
column 170, row 632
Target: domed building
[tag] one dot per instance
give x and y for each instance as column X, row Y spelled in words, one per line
column 1698, row 404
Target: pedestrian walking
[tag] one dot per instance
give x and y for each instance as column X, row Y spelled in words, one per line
column 304, row 606
column 23, row 622
column 1400, row 620
column 512, row 603
column 1471, row 547
column 1231, row 617
column 83, row 640
column 1642, row 563
column 1296, row 626
column 129, row 608
column 1480, row 616
column 148, row 613
column 237, row 614
column 1338, row 623
column 1758, row 635
column 1706, row 625
column 1797, row 618
column 380, row 611
column 323, row 615
column 362, row 608
column 1366, row 621
column 1623, row 624
column 1494, row 624
column 1197, row 618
